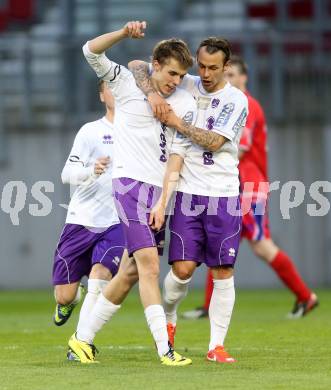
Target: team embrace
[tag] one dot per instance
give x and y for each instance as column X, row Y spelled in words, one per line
column 171, row 143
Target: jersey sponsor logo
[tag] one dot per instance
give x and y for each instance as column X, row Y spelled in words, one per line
column 215, row 102
column 188, row 118
column 240, row 122
column 210, row 123
column 107, row 139
column 225, row 115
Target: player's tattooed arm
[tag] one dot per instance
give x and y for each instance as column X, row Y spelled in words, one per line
column 158, row 104
column 139, row 70
column 209, row 140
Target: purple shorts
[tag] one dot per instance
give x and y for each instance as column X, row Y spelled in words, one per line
column 80, row 248
column 205, row 229
column 134, row 201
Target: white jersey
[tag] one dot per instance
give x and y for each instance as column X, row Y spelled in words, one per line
column 224, row 112
column 92, row 204
column 142, row 142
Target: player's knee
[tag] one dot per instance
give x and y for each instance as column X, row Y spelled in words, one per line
column 64, row 297
column 182, row 271
column 99, row 271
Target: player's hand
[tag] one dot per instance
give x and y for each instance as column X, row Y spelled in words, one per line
column 101, row 165
column 159, row 106
column 135, row 29
column 172, row 120
column 157, row 217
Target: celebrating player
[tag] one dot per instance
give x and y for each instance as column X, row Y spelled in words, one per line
column 141, row 153
column 253, row 170
column 206, row 223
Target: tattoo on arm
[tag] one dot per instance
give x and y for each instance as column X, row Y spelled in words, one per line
column 140, row 73
column 207, row 139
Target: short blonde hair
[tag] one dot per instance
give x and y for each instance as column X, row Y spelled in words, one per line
column 173, row 48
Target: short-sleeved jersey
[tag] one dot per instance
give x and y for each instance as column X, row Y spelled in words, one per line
column 253, row 166
column 223, row 112
column 141, row 142
column 92, row 203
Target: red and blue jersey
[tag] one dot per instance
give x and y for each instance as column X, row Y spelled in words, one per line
column 253, row 166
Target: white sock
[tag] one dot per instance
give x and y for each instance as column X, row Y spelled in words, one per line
column 94, row 288
column 156, row 321
column 102, row 312
column 220, row 310
column 174, row 291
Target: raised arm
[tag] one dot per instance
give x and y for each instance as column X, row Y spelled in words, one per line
column 106, row 69
column 159, row 105
column 103, row 42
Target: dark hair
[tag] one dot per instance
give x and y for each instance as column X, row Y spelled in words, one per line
column 215, row 44
column 240, row 63
column 173, row 48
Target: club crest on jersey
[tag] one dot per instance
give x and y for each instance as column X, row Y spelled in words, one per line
column 215, row 102
column 107, row 139
column 210, row 123
column 225, row 115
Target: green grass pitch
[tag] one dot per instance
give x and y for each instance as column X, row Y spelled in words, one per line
column 272, row 352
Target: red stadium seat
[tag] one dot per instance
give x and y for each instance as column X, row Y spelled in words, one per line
column 21, row 10
column 4, row 18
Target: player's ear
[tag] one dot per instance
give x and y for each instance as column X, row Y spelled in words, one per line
column 102, row 98
column 156, row 65
column 227, row 66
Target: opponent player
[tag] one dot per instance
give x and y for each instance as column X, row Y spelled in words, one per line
column 206, row 223
column 92, row 241
column 141, row 153
column 253, row 169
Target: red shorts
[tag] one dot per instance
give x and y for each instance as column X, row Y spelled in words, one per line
column 255, row 227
